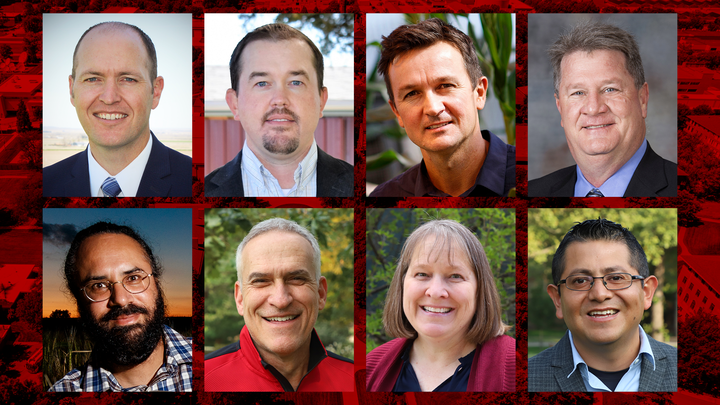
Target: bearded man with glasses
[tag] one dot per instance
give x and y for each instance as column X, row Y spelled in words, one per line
column 115, row 278
column 601, row 287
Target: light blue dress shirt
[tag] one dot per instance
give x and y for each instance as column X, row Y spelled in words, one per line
column 616, row 185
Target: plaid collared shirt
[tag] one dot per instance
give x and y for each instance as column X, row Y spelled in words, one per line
column 259, row 182
column 174, row 375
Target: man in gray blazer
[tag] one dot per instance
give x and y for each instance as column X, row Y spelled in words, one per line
column 601, row 287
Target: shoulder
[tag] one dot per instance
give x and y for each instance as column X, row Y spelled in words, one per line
column 340, row 167
column 224, row 359
column 555, row 184
column 335, row 177
column 385, row 352
column 69, row 383
column 663, row 350
column 541, row 361
column 178, row 159
column 339, row 363
column 62, row 168
column 402, row 185
column 224, row 181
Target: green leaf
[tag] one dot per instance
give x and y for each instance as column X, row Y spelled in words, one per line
column 383, row 159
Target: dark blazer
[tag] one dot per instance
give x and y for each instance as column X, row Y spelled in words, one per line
column 168, row 174
column 548, row 371
column 654, row 177
column 335, row 178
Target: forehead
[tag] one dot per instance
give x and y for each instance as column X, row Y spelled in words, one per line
column 435, row 248
column 111, row 46
column 437, row 60
column 277, row 250
column 600, row 63
column 110, row 251
column 277, row 56
column 597, row 257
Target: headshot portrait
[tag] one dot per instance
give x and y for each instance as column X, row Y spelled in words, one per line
column 117, row 120
column 278, row 300
column 441, row 300
column 602, row 105
column 117, row 300
column 441, row 105
column 279, row 105
column 602, row 301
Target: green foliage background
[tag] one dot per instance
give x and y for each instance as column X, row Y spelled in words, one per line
column 387, row 230
column 225, row 228
column 655, row 230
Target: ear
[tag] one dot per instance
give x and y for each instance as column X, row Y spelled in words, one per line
column 323, row 100
column 557, row 104
column 72, row 96
column 322, row 292
column 231, row 99
column 644, row 96
column 649, row 286
column 239, row 298
column 481, row 93
column 158, row 87
column 554, row 294
column 397, row 115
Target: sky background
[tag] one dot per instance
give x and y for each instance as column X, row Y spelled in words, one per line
column 167, row 231
column 172, row 36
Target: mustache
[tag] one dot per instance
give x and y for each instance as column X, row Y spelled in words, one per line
column 128, row 309
column 280, row 111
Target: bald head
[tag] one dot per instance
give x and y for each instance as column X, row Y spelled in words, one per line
column 119, row 27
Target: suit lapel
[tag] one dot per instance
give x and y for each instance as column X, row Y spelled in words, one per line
column 154, row 182
column 79, row 182
column 649, row 177
column 562, row 365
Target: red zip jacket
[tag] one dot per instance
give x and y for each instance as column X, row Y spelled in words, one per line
column 238, row 367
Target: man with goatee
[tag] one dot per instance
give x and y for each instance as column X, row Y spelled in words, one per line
column 115, row 279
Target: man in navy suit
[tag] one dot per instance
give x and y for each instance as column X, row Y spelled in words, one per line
column 113, row 86
column 602, row 97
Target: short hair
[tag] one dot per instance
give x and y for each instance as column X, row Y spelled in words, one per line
column 100, row 228
column 406, row 38
column 592, row 36
column 149, row 46
column 487, row 321
column 274, row 32
column 600, row 229
column 283, row 225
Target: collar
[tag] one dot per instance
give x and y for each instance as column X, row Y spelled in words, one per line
column 128, row 178
column 578, row 360
column 317, row 354
column 616, row 185
column 490, row 179
column 259, row 182
column 178, row 351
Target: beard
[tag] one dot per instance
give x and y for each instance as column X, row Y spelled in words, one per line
column 127, row 345
column 283, row 141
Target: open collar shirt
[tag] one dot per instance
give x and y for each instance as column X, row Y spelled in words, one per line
column 616, row 185
column 259, row 182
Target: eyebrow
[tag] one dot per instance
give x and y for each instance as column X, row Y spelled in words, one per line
column 606, row 270
column 257, row 274
column 125, row 273
column 95, row 73
column 411, row 86
column 266, row 74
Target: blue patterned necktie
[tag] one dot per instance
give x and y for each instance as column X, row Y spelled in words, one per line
column 594, row 193
column 110, row 187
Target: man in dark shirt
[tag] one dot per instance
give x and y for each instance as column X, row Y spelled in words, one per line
column 435, row 85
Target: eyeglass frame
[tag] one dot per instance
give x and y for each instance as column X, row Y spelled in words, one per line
column 592, row 283
column 112, row 283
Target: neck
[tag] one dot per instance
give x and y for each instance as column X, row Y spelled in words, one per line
column 455, row 172
column 140, row 374
column 293, row 366
column 282, row 167
column 598, row 168
column 115, row 159
column 616, row 356
column 440, row 353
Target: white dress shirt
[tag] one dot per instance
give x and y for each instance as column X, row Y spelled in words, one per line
column 259, row 182
column 128, row 179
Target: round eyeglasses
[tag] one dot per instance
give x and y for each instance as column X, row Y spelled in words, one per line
column 612, row 281
column 101, row 290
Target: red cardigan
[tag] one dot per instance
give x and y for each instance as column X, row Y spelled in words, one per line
column 493, row 367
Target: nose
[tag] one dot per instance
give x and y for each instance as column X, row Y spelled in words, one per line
column 434, row 105
column 110, row 93
column 595, row 104
column 279, row 97
column 280, row 296
column 598, row 291
column 119, row 295
column 437, row 288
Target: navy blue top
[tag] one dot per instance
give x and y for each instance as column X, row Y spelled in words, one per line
column 495, row 179
column 407, row 380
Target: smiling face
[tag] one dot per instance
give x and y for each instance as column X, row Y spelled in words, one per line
column 601, row 317
column 112, row 91
column 280, row 297
column 278, row 102
column 434, row 99
column 439, row 291
column 601, row 110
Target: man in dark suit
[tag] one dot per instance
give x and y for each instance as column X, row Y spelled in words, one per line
column 602, row 97
column 277, row 94
column 601, row 288
column 113, row 89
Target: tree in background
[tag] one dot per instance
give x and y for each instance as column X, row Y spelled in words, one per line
column 224, row 230
column 655, row 230
column 387, row 230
